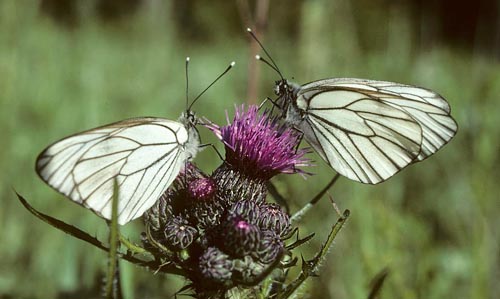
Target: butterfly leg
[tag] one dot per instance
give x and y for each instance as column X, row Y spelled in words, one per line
column 278, row 197
column 299, row 141
column 299, row 214
column 214, row 148
column 268, row 99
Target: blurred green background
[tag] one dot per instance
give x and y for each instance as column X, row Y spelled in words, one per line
column 66, row 66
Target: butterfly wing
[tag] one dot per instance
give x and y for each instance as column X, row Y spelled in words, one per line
column 429, row 109
column 361, row 137
column 144, row 155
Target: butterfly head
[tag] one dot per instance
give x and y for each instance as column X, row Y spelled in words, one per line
column 280, row 87
column 189, row 118
column 286, row 92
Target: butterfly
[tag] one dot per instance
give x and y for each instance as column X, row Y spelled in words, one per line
column 144, row 155
column 366, row 130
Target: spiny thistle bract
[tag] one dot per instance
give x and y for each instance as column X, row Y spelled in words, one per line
column 219, row 229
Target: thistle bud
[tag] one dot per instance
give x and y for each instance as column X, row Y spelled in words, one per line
column 240, row 237
column 215, row 265
column 206, row 214
column 270, row 247
column 158, row 214
column 247, row 270
column 273, row 218
column 246, row 209
column 202, row 189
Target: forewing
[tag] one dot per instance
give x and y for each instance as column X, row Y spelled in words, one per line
column 362, row 138
column 144, row 155
column 428, row 108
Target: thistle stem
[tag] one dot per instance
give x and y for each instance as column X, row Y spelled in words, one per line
column 113, row 284
column 310, row 268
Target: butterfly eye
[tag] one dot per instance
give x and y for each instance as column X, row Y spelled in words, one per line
column 191, row 118
column 277, row 90
column 281, row 87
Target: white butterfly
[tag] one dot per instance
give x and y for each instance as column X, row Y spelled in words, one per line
column 367, row 130
column 143, row 154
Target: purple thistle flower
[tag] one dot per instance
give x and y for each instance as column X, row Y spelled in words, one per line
column 259, row 145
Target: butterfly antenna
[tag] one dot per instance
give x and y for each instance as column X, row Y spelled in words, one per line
column 274, row 66
column 187, row 113
column 217, row 79
column 258, row 57
column 187, row 83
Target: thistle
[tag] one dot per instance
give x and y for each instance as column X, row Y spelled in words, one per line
column 219, row 228
column 259, row 146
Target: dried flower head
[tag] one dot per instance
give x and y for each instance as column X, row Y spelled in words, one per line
column 179, row 234
column 259, row 146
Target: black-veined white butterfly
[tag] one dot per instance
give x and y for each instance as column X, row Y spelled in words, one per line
column 143, row 154
column 364, row 129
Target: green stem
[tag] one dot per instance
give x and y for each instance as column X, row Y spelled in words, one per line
column 298, row 215
column 113, row 287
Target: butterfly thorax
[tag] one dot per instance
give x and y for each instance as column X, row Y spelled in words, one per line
column 287, row 93
column 189, row 120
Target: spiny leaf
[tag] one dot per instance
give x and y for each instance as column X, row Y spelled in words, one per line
column 84, row 236
column 60, row 225
column 299, row 242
